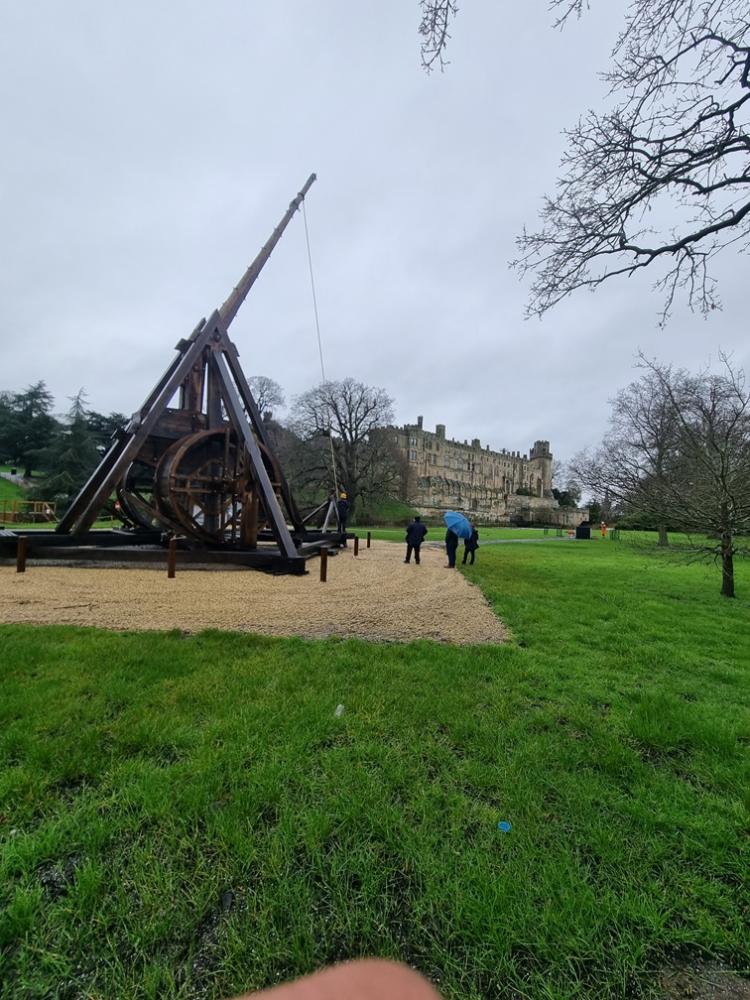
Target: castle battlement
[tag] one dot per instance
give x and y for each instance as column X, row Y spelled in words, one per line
column 441, row 473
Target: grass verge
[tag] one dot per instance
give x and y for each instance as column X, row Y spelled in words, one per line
column 186, row 816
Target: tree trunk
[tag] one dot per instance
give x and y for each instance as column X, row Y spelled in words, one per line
column 27, row 470
column 663, row 537
column 727, row 565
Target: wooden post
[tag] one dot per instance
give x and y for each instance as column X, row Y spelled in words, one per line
column 172, row 558
column 369, row 538
column 249, row 520
column 21, row 554
column 356, row 545
column 323, row 564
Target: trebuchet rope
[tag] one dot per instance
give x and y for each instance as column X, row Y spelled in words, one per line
column 320, row 343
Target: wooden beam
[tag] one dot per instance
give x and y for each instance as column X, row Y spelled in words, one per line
column 232, row 357
column 113, row 466
column 237, row 416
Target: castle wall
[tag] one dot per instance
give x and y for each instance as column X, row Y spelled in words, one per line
column 441, row 473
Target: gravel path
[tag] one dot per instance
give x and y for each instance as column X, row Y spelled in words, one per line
column 374, row 596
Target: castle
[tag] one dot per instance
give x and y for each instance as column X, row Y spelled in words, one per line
column 491, row 487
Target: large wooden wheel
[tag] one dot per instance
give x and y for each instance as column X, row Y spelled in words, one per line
column 135, row 493
column 205, row 484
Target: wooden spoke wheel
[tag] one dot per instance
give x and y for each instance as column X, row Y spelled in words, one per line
column 204, row 483
column 135, row 492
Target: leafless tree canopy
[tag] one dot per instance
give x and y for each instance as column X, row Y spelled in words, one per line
column 678, row 450
column 665, row 174
column 267, row 393
column 436, row 18
column 354, row 416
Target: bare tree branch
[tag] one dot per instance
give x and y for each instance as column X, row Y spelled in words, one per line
column 678, row 452
column 436, row 17
column 665, row 174
column 267, row 393
column 353, row 416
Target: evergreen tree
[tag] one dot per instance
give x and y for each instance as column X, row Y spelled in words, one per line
column 26, row 425
column 104, row 426
column 71, row 457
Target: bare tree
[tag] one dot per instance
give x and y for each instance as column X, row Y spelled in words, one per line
column 663, row 178
column 566, row 488
column 638, row 450
column 306, row 462
column 679, row 451
column 436, row 17
column 352, row 417
column 268, row 394
column 665, row 175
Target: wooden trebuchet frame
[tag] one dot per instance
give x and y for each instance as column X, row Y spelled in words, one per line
column 203, row 470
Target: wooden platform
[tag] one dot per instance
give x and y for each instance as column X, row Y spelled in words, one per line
column 120, row 546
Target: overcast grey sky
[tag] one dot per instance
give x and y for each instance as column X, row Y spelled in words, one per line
column 151, row 147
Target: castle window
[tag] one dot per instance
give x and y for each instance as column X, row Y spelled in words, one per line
column 434, row 459
column 412, row 440
column 413, row 455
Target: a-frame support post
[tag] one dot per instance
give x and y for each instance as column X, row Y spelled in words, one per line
column 237, row 416
column 232, row 359
column 84, row 509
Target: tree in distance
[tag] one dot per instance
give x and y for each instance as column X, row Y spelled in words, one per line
column 661, row 179
column 640, row 448
column 348, row 418
column 565, row 487
column 105, row 426
column 26, row 425
column 267, row 393
column 678, row 453
column 71, row 456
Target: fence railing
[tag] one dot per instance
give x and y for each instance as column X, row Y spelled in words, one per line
column 27, row 511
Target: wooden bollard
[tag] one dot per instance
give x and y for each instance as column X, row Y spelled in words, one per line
column 356, row 545
column 172, row 558
column 323, row 564
column 21, row 550
column 369, row 538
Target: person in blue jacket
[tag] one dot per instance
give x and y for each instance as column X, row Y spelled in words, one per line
column 415, row 532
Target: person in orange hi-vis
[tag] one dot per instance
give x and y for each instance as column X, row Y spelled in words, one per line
column 604, row 530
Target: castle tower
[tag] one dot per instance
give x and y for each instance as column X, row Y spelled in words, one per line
column 540, row 460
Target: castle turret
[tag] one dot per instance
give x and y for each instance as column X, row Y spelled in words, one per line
column 540, row 460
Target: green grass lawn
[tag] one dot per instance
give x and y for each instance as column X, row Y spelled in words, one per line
column 185, row 816
column 10, row 490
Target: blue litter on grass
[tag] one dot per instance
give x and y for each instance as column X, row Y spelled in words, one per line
column 505, row 826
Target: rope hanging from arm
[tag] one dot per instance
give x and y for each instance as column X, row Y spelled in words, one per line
column 320, row 345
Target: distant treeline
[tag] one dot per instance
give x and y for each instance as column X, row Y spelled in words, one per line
column 333, row 438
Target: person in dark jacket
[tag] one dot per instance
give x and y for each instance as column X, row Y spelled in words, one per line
column 471, row 545
column 415, row 532
column 451, row 544
column 342, row 509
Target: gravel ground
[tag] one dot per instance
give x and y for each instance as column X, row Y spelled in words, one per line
column 374, row 596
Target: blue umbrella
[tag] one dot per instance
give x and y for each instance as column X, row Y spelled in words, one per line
column 457, row 523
